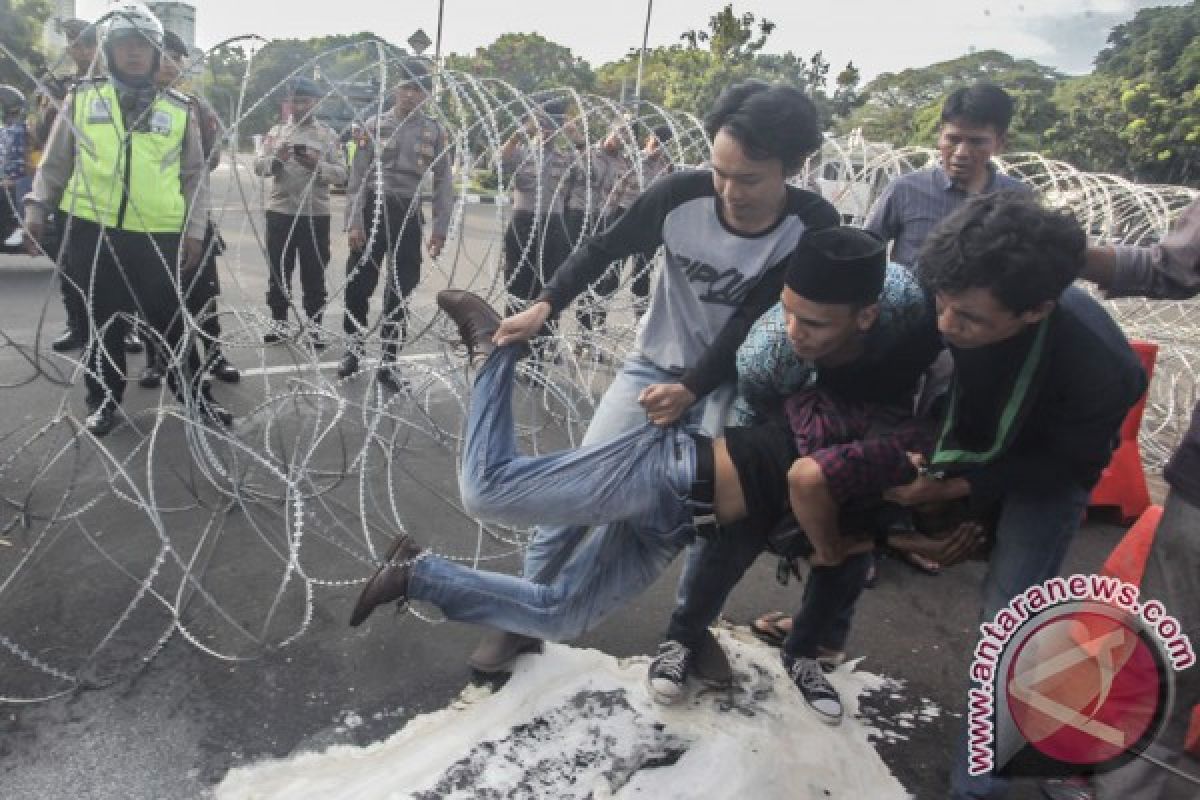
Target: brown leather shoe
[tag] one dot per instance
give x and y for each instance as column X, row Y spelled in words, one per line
column 710, row 664
column 477, row 321
column 497, row 649
column 390, row 582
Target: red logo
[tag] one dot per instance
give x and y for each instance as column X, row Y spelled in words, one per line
column 1087, row 687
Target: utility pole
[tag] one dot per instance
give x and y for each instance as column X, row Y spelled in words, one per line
column 637, row 88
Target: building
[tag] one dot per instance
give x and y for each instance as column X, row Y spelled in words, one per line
column 178, row 17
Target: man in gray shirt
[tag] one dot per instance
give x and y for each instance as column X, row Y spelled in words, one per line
column 401, row 147
column 974, row 128
column 303, row 157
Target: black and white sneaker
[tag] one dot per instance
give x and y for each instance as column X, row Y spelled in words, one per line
column 668, row 673
column 816, row 689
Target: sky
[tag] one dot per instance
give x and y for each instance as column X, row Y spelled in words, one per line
column 877, row 35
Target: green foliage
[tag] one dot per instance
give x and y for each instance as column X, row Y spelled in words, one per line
column 21, row 34
column 528, row 61
column 904, row 107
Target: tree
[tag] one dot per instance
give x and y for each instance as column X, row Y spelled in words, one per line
column 730, row 37
column 21, row 33
column 528, row 61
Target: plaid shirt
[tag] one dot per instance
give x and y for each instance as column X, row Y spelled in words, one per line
column 13, row 143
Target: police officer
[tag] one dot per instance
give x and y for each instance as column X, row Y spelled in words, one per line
column 535, row 242
column 656, row 162
column 383, row 215
column 200, row 287
column 83, row 50
column 136, row 200
column 302, row 157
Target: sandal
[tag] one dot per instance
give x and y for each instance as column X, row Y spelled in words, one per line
column 769, row 628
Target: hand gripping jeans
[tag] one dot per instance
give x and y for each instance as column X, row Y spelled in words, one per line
column 634, row 489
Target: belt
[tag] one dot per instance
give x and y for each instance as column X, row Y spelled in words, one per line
column 704, row 482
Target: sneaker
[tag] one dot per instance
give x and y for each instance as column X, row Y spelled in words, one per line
column 668, row 673
column 151, row 377
column 224, row 371
column 101, row 421
column 816, row 689
column 68, row 340
column 390, row 378
column 348, row 365
column 277, row 332
column 829, row 659
column 497, row 649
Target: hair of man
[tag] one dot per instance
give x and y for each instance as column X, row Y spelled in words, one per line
column 768, row 122
column 1008, row 243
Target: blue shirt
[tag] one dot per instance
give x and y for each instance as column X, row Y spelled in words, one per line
column 912, row 205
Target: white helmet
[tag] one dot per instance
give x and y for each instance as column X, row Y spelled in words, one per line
column 132, row 18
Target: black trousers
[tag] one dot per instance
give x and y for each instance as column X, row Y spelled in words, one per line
column 135, row 275
column 592, row 309
column 535, row 245
column 75, row 274
column 200, row 291
column 830, row 593
column 292, row 238
column 396, row 239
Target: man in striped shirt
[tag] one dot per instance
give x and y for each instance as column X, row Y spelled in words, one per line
column 974, row 128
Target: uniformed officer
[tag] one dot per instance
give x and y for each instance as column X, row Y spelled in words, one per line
column 83, row 47
column 302, row 157
column 126, row 168
column 200, row 287
column 656, row 162
column 383, row 215
column 615, row 190
column 535, row 242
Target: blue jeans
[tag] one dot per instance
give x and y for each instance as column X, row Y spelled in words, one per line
column 618, row 413
column 635, row 489
column 1032, row 537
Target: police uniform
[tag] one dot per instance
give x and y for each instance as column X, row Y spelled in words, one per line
column 606, row 194
column 535, row 242
column 395, row 157
column 298, row 213
column 128, row 189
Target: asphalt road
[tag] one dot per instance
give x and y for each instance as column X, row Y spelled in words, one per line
column 195, row 587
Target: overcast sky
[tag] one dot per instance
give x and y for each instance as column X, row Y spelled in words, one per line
column 878, row 35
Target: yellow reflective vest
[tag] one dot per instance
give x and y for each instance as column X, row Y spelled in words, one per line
column 130, row 181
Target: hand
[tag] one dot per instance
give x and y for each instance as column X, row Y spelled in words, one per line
column 309, row 159
column 436, row 243
column 33, row 237
column 524, row 326
column 357, row 238
column 193, row 251
column 666, row 402
column 926, row 489
column 956, row 547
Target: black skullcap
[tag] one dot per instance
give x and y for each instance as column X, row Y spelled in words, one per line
column 555, row 110
column 304, row 87
column 838, row 266
column 80, row 29
column 664, row 134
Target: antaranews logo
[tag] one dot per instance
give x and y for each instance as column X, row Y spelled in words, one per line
column 1073, row 674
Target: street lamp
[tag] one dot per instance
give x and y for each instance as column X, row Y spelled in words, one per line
column 637, row 87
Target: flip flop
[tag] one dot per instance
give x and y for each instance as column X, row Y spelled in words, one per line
column 768, row 630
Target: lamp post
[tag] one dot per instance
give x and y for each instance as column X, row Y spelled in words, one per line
column 637, row 87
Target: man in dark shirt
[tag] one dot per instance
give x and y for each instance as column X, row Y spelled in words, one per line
column 1043, row 380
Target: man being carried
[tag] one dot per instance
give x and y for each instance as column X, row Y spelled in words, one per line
column 646, row 490
column 726, row 234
